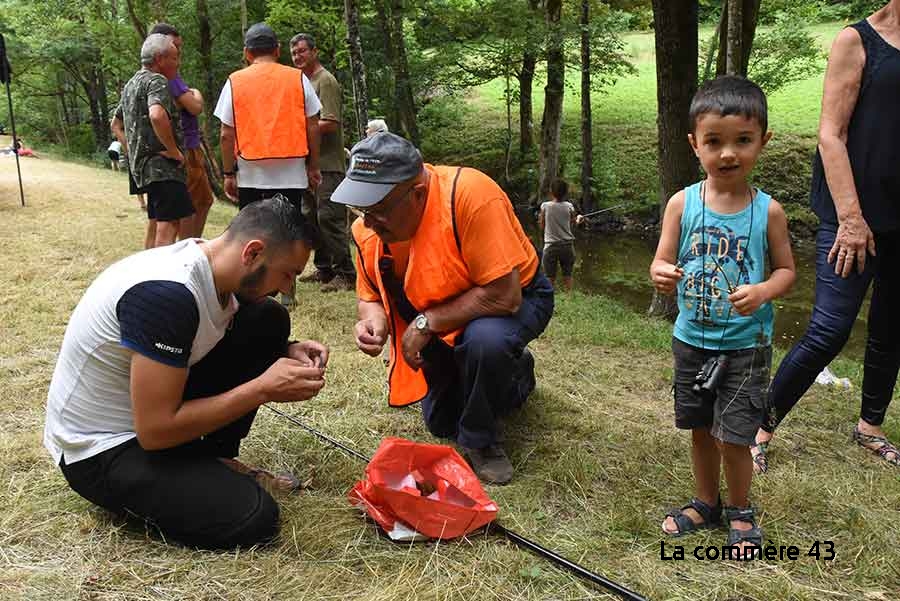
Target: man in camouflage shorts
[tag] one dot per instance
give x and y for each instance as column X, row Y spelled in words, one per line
column 147, row 118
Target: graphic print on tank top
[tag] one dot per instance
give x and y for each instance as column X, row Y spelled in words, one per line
column 714, row 261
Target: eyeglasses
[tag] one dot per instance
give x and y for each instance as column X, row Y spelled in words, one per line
column 382, row 210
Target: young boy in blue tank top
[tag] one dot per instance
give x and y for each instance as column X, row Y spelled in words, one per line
column 715, row 239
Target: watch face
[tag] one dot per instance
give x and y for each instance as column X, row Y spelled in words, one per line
column 421, row 322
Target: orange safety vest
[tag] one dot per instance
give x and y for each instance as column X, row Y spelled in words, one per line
column 269, row 112
column 435, row 273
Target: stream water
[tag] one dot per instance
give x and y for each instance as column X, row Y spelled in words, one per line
column 617, row 265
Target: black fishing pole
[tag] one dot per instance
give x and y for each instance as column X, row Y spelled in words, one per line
column 514, row 537
column 5, row 76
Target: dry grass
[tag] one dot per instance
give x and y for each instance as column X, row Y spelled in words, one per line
column 598, row 459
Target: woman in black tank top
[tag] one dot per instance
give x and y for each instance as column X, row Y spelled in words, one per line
column 856, row 195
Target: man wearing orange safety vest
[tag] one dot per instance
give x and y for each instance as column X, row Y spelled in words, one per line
column 270, row 136
column 445, row 270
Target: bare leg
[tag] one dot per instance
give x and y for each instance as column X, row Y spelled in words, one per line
column 706, row 460
column 186, row 227
column 150, row 237
column 166, row 232
column 738, row 475
column 568, row 282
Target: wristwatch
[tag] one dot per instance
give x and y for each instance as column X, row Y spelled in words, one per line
column 421, row 323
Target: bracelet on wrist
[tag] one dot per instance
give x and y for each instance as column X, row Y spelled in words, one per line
column 228, row 173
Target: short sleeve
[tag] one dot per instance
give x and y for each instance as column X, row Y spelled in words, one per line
column 365, row 288
column 330, row 97
column 224, row 109
column 158, row 91
column 311, row 99
column 159, row 319
column 177, row 87
column 484, row 213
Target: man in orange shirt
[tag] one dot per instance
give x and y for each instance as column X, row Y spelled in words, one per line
column 444, row 268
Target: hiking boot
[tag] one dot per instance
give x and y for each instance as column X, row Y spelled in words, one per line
column 340, row 282
column 490, row 464
column 318, row 276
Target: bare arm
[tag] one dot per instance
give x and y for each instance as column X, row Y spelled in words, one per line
column 541, row 220
column 663, row 270
column 502, row 296
column 162, row 127
column 312, row 161
column 226, row 142
column 117, row 126
column 162, row 420
column 327, row 126
column 843, row 78
column 191, row 101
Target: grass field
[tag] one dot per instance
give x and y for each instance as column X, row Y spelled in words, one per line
column 624, row 130
column 598, row 460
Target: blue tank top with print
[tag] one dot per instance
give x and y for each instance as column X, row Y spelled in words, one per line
column 717, row 252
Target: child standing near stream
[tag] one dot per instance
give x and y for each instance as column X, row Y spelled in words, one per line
column 716, row 237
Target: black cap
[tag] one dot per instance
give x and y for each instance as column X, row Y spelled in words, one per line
column 260, row 37
column 377, row 164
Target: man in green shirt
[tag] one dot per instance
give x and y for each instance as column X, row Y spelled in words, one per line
column 147, row 124
column 334, row 265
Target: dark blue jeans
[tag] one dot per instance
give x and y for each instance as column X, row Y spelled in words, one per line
column 486, row 374
column 837, row 302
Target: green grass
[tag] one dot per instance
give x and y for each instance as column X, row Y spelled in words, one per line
column 597, row 458
column 624, row 129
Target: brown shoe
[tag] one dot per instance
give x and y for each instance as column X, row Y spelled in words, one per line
column 340, row 282
column 316, row 276
column 490, row 464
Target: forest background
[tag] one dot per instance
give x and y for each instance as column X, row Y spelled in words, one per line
column 467, row 80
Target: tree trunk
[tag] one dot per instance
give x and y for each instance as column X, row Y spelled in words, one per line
column 733, row 60
column 675, row 23
column 243, row 18
column 526, row 110
column 384, row 27
column 526, row 86
column 553, row 98
column 136, row 22
column 748, row 32
column 749, row 16
column 402, row 85
column 587, row 142
column 206, row 65
column 357, row 67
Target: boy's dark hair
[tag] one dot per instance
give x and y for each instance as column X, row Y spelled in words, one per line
column 165, row 29
column 275, row 220
column 560, row 189
column 730, row 95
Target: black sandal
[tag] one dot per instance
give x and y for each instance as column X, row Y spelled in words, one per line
column 712, row 517
column 754, row 535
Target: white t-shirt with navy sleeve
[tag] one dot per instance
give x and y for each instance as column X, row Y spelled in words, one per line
column 161, row 303
column 269, row 173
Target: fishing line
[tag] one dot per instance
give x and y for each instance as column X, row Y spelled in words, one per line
column 514, row 537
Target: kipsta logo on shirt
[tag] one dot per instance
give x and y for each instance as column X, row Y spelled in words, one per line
column 168, row 349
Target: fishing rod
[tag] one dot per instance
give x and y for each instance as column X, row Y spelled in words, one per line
column 514, row 537
column 618, row 206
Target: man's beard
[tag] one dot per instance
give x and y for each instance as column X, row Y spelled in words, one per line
column 248, row 289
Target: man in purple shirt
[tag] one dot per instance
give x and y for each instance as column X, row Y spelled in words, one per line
column 191, row 103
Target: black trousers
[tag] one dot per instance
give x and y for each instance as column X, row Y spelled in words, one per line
column 186, row 492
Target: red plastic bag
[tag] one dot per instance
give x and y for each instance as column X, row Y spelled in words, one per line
column 427, row 487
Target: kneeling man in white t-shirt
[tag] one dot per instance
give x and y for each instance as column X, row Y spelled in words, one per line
column 163, row 365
